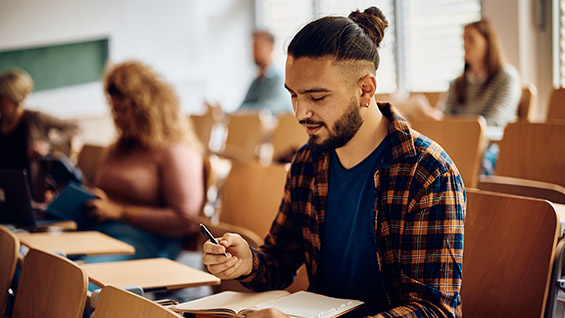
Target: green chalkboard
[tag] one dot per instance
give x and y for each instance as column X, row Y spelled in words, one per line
column 59, row 65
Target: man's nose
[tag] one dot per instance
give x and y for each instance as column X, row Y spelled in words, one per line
column 301, row 110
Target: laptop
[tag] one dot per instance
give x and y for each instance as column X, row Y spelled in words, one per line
column 15, row 201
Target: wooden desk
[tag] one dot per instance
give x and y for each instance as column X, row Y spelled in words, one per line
column 152, row 273
column 76, row 243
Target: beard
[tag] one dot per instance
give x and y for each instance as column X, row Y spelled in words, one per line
column 343, row 129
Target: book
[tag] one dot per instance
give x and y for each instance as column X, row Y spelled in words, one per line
column 302, row 304
column 69, row 204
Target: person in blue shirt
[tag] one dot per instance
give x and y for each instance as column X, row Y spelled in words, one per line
column 267, row 91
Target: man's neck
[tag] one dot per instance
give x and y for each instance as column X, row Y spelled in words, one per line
column 367, row 138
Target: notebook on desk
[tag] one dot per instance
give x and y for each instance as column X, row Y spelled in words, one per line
column 301, row 304
column 69, row 203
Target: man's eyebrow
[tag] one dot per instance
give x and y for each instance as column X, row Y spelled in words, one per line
column 311, row 90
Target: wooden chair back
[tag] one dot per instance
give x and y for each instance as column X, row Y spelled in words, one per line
column 526, row 105
column 251, row 195
column 533, row 151
column 556, row 108
column 509, row 247
column 433, row 97
column 50, row 286
column 202, row 125
column 9, row 249
column 527, row 188
column 115, row 302
column 89, row 159
column 288, row 136
column 245, row 133
column 464, row 140
column 383, row 97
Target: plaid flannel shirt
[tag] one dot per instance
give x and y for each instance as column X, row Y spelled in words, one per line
column 420, row 211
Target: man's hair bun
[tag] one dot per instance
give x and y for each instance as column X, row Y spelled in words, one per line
column 372, row 21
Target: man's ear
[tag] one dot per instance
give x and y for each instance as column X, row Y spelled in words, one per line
column 368, row 86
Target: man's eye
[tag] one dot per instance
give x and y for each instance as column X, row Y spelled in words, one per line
column 317, row 99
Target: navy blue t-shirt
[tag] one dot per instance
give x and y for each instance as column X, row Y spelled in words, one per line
column 349, row 266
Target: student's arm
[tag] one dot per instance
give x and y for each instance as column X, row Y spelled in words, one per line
column 183, row 195
column 432, row 251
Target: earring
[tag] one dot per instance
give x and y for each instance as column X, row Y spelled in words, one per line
column 366, row 105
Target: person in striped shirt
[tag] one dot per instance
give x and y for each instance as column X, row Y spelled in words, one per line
column 373, row 208
column 488, row 86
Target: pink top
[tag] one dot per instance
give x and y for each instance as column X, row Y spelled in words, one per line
column 164, row 189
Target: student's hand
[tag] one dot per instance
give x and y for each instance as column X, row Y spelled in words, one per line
column 265, row 313
column 238, row 262
column 103, row 209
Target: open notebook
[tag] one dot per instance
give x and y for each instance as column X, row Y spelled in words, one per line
column 300, row 304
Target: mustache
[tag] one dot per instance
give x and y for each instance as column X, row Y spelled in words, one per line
column 311, row 122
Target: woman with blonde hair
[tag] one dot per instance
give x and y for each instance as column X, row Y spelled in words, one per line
column 151, row 182
column 31, row 140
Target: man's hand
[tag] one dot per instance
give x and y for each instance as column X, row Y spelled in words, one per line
column 238, row 262
column 265, row 313
column 103, row 209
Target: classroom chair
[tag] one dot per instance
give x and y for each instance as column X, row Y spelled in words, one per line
column 50, row 286
column 533, row 151
column 526, row 106
column 382, row 97
column 509, row 252
column 9, row 249
column 250, row 199
column 245, row 134
column 89, row 159
column 556, row 109
column 288, row 136
column 527, row 188
column 432, row 97
column 115, row 302
column 462, row 137
column 251, row 195
column 202, row 125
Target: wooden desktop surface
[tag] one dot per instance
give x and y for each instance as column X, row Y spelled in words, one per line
column 76, row 243
column 152, row 273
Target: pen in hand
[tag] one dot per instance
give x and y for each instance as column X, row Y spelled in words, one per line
column 209, row 236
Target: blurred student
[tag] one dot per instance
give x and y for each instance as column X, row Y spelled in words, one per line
column 151, row 182
column 29, row 139
column 488, row 86
column 267, row 89
column 374, row 209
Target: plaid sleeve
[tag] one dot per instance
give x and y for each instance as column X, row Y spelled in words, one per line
column 431, row 251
